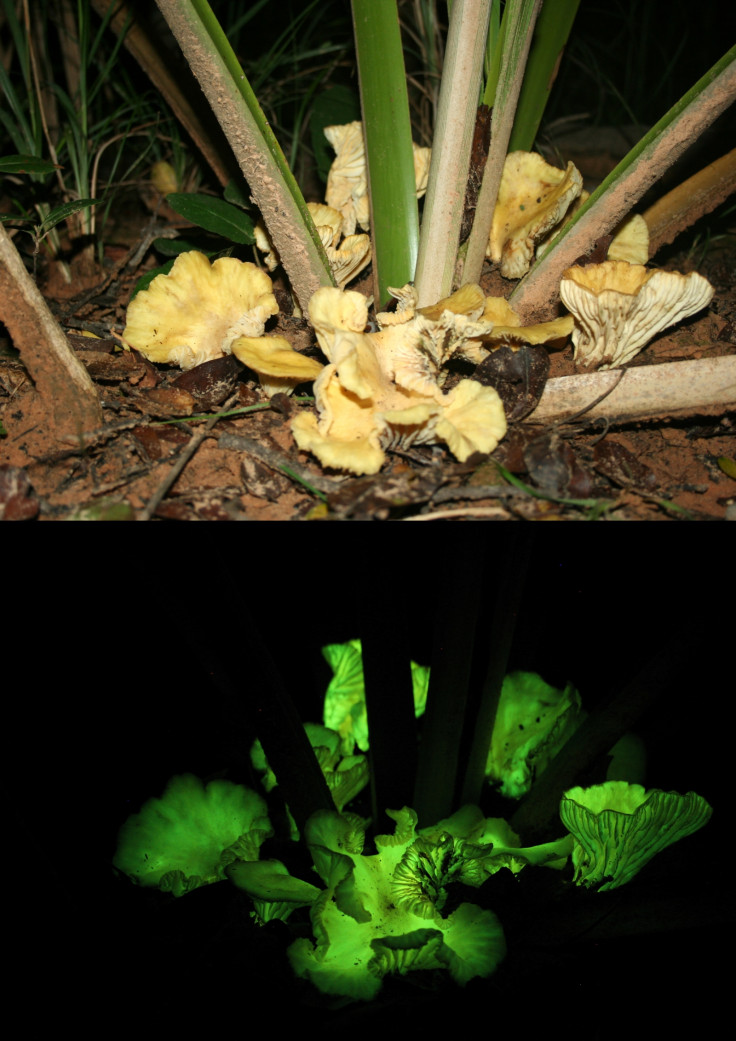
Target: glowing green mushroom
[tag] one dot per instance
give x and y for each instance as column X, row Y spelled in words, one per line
column 187, row 838
column 274, row 892
column 346, row 775
column 533, row 721
column 344, row 709
column 383, row 913
column 618, row 827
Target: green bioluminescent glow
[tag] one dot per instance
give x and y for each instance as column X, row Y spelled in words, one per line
column 186, row 838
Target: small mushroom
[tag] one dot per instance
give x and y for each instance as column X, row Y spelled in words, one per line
column 618, row 827
column 195, row 312
column 533, row 199
column 631, row 241
column 619, row 307
column 347, row 180
column 279, row 367
column 349, row 258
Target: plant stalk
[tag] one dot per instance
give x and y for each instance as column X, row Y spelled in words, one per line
column 536, row 297
column 517, row 40
column 448, row 172
column 275, row 191
column 388, row 145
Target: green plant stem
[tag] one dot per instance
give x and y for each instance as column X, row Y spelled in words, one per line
column 212, row 60
column 550, row 36
column 536, row 297
column 522, row 15
column 388, row 145
column 448, row 173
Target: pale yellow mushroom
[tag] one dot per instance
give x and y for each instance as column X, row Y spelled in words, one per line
column 279, row 367
column 195, row 312
column 347, row 180
column 381, row 390
column 619, row 307
column 631, row 241
column 533, row 199
column 351, row 257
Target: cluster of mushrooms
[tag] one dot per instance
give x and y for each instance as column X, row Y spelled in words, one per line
column 384, row 389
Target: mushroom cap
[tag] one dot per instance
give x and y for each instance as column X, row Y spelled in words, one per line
column 631, row 241
column 618, row 308
column 195, row 312
column 617, row 827
column 532, row 199
column 280, row 368
column 327, row 221
column 347, row 180
column 349, row 258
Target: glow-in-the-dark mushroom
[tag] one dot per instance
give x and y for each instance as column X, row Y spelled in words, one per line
column 187, row 838
column 618, row 827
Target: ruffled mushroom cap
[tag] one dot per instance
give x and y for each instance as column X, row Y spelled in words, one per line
column 618, row 827
column 347, row 180
column 381, row 389
column 279, row 367
column 618, row 308
column 195, row 312
column 327, row 221
column 348, row 259
column 533, row 198
column 344, row 707
column 188, row 837
column 382, row 913
column 275, row 893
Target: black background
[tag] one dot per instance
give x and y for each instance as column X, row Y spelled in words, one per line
column 112, row 699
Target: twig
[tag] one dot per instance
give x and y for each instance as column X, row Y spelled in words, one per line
column 279, row 461
column 184, row 456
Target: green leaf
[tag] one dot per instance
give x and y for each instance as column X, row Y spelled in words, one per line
column 388, row 145
column 20, row 164
column 234, row 193
column 173, row 247
column 215, row 215
column 60, row 213
column 145, row 281
column 728, row 466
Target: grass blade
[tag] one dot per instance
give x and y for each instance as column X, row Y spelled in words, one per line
column 550, row 36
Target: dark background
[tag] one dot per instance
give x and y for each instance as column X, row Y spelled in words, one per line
column 115, row 700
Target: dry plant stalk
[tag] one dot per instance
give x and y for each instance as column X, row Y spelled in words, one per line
column 652, row 390
column 691, row 200
column 63, row 384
